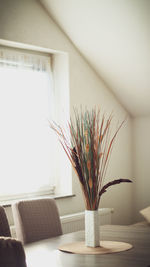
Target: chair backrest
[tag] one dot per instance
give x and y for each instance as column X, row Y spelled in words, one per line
column 4, row 226
column 11, row 253
column 36, row 219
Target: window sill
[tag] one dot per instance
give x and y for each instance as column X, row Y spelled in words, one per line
column 8, row 203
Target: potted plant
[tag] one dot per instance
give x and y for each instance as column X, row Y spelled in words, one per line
column 89, row 148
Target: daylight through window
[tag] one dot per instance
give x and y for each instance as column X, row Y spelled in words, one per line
column 26, row 106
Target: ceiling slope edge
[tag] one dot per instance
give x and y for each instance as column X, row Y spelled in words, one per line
column 108, row 87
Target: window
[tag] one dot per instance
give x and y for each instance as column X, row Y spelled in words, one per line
column 27, row 103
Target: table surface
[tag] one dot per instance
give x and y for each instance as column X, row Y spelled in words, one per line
column 45, row 253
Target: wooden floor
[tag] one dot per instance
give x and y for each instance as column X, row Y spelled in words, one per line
column 46, row 254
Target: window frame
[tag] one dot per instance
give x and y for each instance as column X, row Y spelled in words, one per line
column 57, row 57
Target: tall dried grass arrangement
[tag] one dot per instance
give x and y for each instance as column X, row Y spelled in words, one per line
column 89, row 148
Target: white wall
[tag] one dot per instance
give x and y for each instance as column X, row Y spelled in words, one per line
column 141, row 138
column 26, row 21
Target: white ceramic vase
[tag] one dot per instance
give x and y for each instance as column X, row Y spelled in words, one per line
column 92, row 235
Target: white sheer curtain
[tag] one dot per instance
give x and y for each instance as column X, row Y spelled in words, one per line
column 27, row 155
column 24, row 60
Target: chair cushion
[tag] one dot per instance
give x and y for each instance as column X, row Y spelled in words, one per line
column 36, row 220
column 146, row 213
column 4, row 226
column 11, row 253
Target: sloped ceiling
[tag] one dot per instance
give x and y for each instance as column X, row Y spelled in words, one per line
column 114, row 36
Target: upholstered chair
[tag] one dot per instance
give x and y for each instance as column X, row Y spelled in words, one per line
column 11, row 253
column 4, row 226
column 36, row 219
